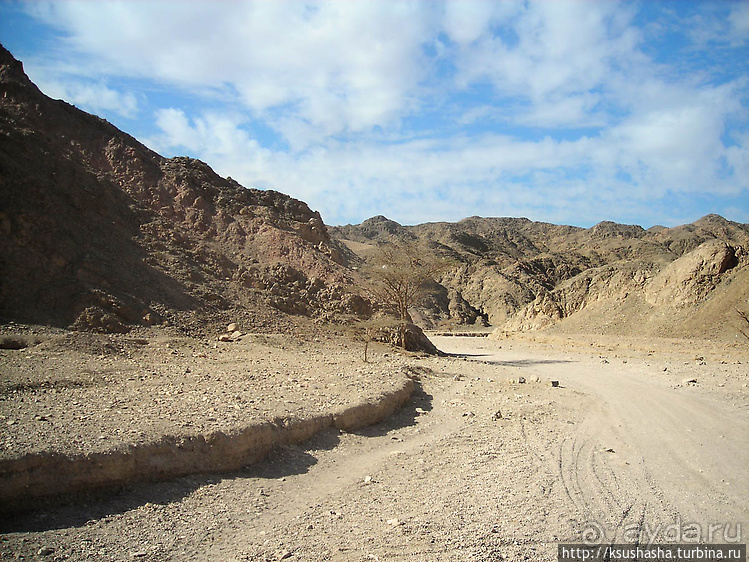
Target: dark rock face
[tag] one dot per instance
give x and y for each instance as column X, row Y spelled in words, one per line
column 100, row 232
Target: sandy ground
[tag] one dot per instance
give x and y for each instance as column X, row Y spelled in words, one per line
column 478, row 466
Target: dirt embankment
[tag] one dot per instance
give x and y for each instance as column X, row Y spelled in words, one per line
column 83, row 411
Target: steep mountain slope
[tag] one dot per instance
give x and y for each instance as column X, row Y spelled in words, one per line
column 102, row 233
column 522, row 275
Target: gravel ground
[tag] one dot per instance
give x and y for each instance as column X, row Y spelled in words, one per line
column 478, row 466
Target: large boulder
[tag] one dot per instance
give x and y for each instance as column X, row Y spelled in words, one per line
column 689, row 279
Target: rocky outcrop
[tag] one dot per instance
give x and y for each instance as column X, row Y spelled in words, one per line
column 689, row 279
column 101, row 233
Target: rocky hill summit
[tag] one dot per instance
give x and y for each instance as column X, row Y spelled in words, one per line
column 100, row 232
column 517, row 275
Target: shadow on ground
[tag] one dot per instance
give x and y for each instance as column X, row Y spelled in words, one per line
column 406, row 416
column 515, row 363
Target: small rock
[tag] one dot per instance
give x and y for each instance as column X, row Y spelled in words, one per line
column 458, row 378
column 138, row 554
column 46, row 551
column 497, row 415
column 232, row 327
column 521, row 380
column 224, row 337
column 236, row 335
column 367, row 479
column 394, row 522
column 689, row 381
column 283, row 555
column 609, row 451
column 554, row 384
column 468, row 414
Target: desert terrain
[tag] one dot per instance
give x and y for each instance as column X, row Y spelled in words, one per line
column 477, row 465
column 194, row 370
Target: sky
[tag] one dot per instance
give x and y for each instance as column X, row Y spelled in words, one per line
column 570, row 112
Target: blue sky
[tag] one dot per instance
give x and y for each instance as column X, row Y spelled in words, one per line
column 569, row 112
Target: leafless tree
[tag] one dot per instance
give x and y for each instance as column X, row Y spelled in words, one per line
column 400, row 274
column 745, row 318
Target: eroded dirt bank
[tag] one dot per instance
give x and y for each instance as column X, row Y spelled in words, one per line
column 84, row 411
column 478, row 466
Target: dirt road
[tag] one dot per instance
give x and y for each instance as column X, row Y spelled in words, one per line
column 655, row 456
column 480, row 466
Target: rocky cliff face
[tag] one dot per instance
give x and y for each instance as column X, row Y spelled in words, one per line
column 611, row 278
column 100, row 232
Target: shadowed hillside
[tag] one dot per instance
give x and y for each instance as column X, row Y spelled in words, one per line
column 102, row 233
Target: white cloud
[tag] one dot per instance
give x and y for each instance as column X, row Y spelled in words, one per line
column 561, row 47
column 578, row 120
column 95, row 97
column 739, row 22
column 337, row 66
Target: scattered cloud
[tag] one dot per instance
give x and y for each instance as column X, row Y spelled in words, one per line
column 95, row 96
column 567, row 111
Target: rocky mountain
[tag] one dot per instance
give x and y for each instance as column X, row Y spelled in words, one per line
column 516, row 274
column 99, row 232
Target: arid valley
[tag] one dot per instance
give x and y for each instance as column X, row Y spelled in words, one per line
column 195, row 370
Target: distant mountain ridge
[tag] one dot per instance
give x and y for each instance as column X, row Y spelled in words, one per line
column 517, row 274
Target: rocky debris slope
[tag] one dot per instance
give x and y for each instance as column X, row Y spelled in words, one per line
column 516, row 274
column 102, row 233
